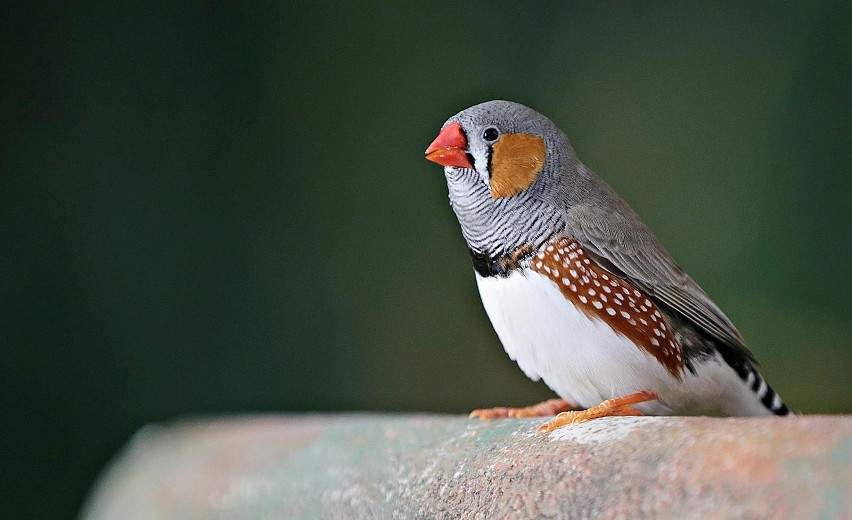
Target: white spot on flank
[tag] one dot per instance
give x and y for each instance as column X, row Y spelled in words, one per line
column 643, row 321
column 556, row 257
column 610, row 311
column 547, row 269
column 655, row 342
column 550, row 247
column 585, row 260
column 566, row 281
column 555, row 272
column 573, row 287
column 657, row 332
column 538, row 264
column 578, row 263
column 607, row 289
column 591, row 292
column 647, row 302
column 573, row 273
column 605, row 277
column 625, row 315
column 583, row 299
column 603, row 298
column 597, row 304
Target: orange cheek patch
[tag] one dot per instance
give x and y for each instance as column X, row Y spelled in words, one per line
column 515, row 163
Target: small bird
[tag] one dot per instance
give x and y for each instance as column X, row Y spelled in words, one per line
column 580, row 292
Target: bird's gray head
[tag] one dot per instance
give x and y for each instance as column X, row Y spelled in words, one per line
column 510, row 172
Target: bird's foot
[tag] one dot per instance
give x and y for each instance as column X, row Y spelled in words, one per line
column 619, row 406
column 549, row 407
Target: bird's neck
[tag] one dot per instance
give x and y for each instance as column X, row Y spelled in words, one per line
column 497, row 229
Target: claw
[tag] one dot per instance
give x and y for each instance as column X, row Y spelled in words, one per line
column 549, row 407
column 620, row 406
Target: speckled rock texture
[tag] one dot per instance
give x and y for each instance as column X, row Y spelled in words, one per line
column 433, row 466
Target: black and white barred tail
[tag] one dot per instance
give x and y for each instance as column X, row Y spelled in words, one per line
column 769, row 397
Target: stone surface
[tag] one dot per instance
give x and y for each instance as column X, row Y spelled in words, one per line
column 432, row 466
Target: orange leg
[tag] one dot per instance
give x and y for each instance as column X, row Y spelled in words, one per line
column 608, row 408
column 549, row 407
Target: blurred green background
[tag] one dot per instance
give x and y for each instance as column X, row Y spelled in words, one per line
column 212, row 208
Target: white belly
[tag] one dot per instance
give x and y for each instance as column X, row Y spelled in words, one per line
column 586, row 362
column 582, row 359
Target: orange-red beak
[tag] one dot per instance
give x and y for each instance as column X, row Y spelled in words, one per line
column 448, row 149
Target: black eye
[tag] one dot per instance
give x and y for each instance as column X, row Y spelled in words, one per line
column 490, row 134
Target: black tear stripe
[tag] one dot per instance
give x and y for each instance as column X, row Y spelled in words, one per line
column 470, row 158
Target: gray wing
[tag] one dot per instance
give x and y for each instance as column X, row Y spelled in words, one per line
column 629, row 249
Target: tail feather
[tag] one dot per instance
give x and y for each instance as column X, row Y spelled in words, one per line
column 769, row 397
